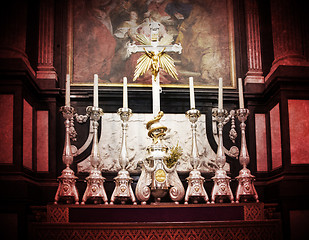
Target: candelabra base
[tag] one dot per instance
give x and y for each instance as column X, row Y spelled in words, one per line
column 221, row 189
column 123, row 190
column 157, row 177
column 66, row 189
column 158, row 181
column 246, row 190
column 158, row 194
column 95, row 189
column 196, row 190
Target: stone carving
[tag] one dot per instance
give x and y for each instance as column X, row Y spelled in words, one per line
column 179, row 131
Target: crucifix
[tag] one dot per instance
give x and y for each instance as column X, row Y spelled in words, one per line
column 155, row 57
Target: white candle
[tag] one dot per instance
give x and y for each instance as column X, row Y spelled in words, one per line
column 192, row 98
column 241, row 93
column 96, row 91
column 67, row 90
column 125, row 93
column 220, row 104
column 155, row 95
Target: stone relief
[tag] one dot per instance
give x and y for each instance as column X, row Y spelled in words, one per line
column 179, row 132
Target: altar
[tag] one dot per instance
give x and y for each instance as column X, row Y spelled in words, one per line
column 163, row 221
column 100, row 140
column 156, row 151
column 156, row 148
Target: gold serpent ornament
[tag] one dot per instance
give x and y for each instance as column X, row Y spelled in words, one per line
column 155, row 129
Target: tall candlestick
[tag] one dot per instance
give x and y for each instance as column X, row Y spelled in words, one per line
column 192, row 98
column 125, row 93
column 95, row 91
column 241, row 93
column 220, row 104
column 67, row 90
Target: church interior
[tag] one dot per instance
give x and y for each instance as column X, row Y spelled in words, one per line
column 203, row 141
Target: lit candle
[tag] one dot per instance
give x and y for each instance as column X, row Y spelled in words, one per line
column 95, row 91
column 125, row 93
column 220, row 104
column 192, row 98
column 67, row 90
column 241, row 93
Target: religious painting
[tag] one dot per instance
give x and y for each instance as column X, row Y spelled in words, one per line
column 100, row 32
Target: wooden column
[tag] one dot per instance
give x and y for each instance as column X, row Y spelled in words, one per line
column 287, row 33
column 46, row 74
column 13, row 37
column 254, row 73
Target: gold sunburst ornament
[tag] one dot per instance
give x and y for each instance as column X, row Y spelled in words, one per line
column 154, row 60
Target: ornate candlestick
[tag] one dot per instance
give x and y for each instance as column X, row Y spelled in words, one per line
column 95, row 189
column 66, row 188
column 221, row 188
column 123, row 189
column 245, row 187
column 195, row 180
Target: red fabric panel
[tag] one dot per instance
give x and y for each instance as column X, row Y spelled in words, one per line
column 261, row 146
column 275, row 129
column 299, row 131
column 6, row 128
column 42, row 141
column 27, row 135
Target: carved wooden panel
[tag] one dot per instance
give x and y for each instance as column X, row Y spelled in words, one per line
column 57, row 214
column 254, row 211
column 258, row 230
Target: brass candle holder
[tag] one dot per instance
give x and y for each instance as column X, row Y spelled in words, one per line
column 221, row 188
column 95, row 188
column 195, row 189
column 245, row 189
column 123, row 189
column 67, row 189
